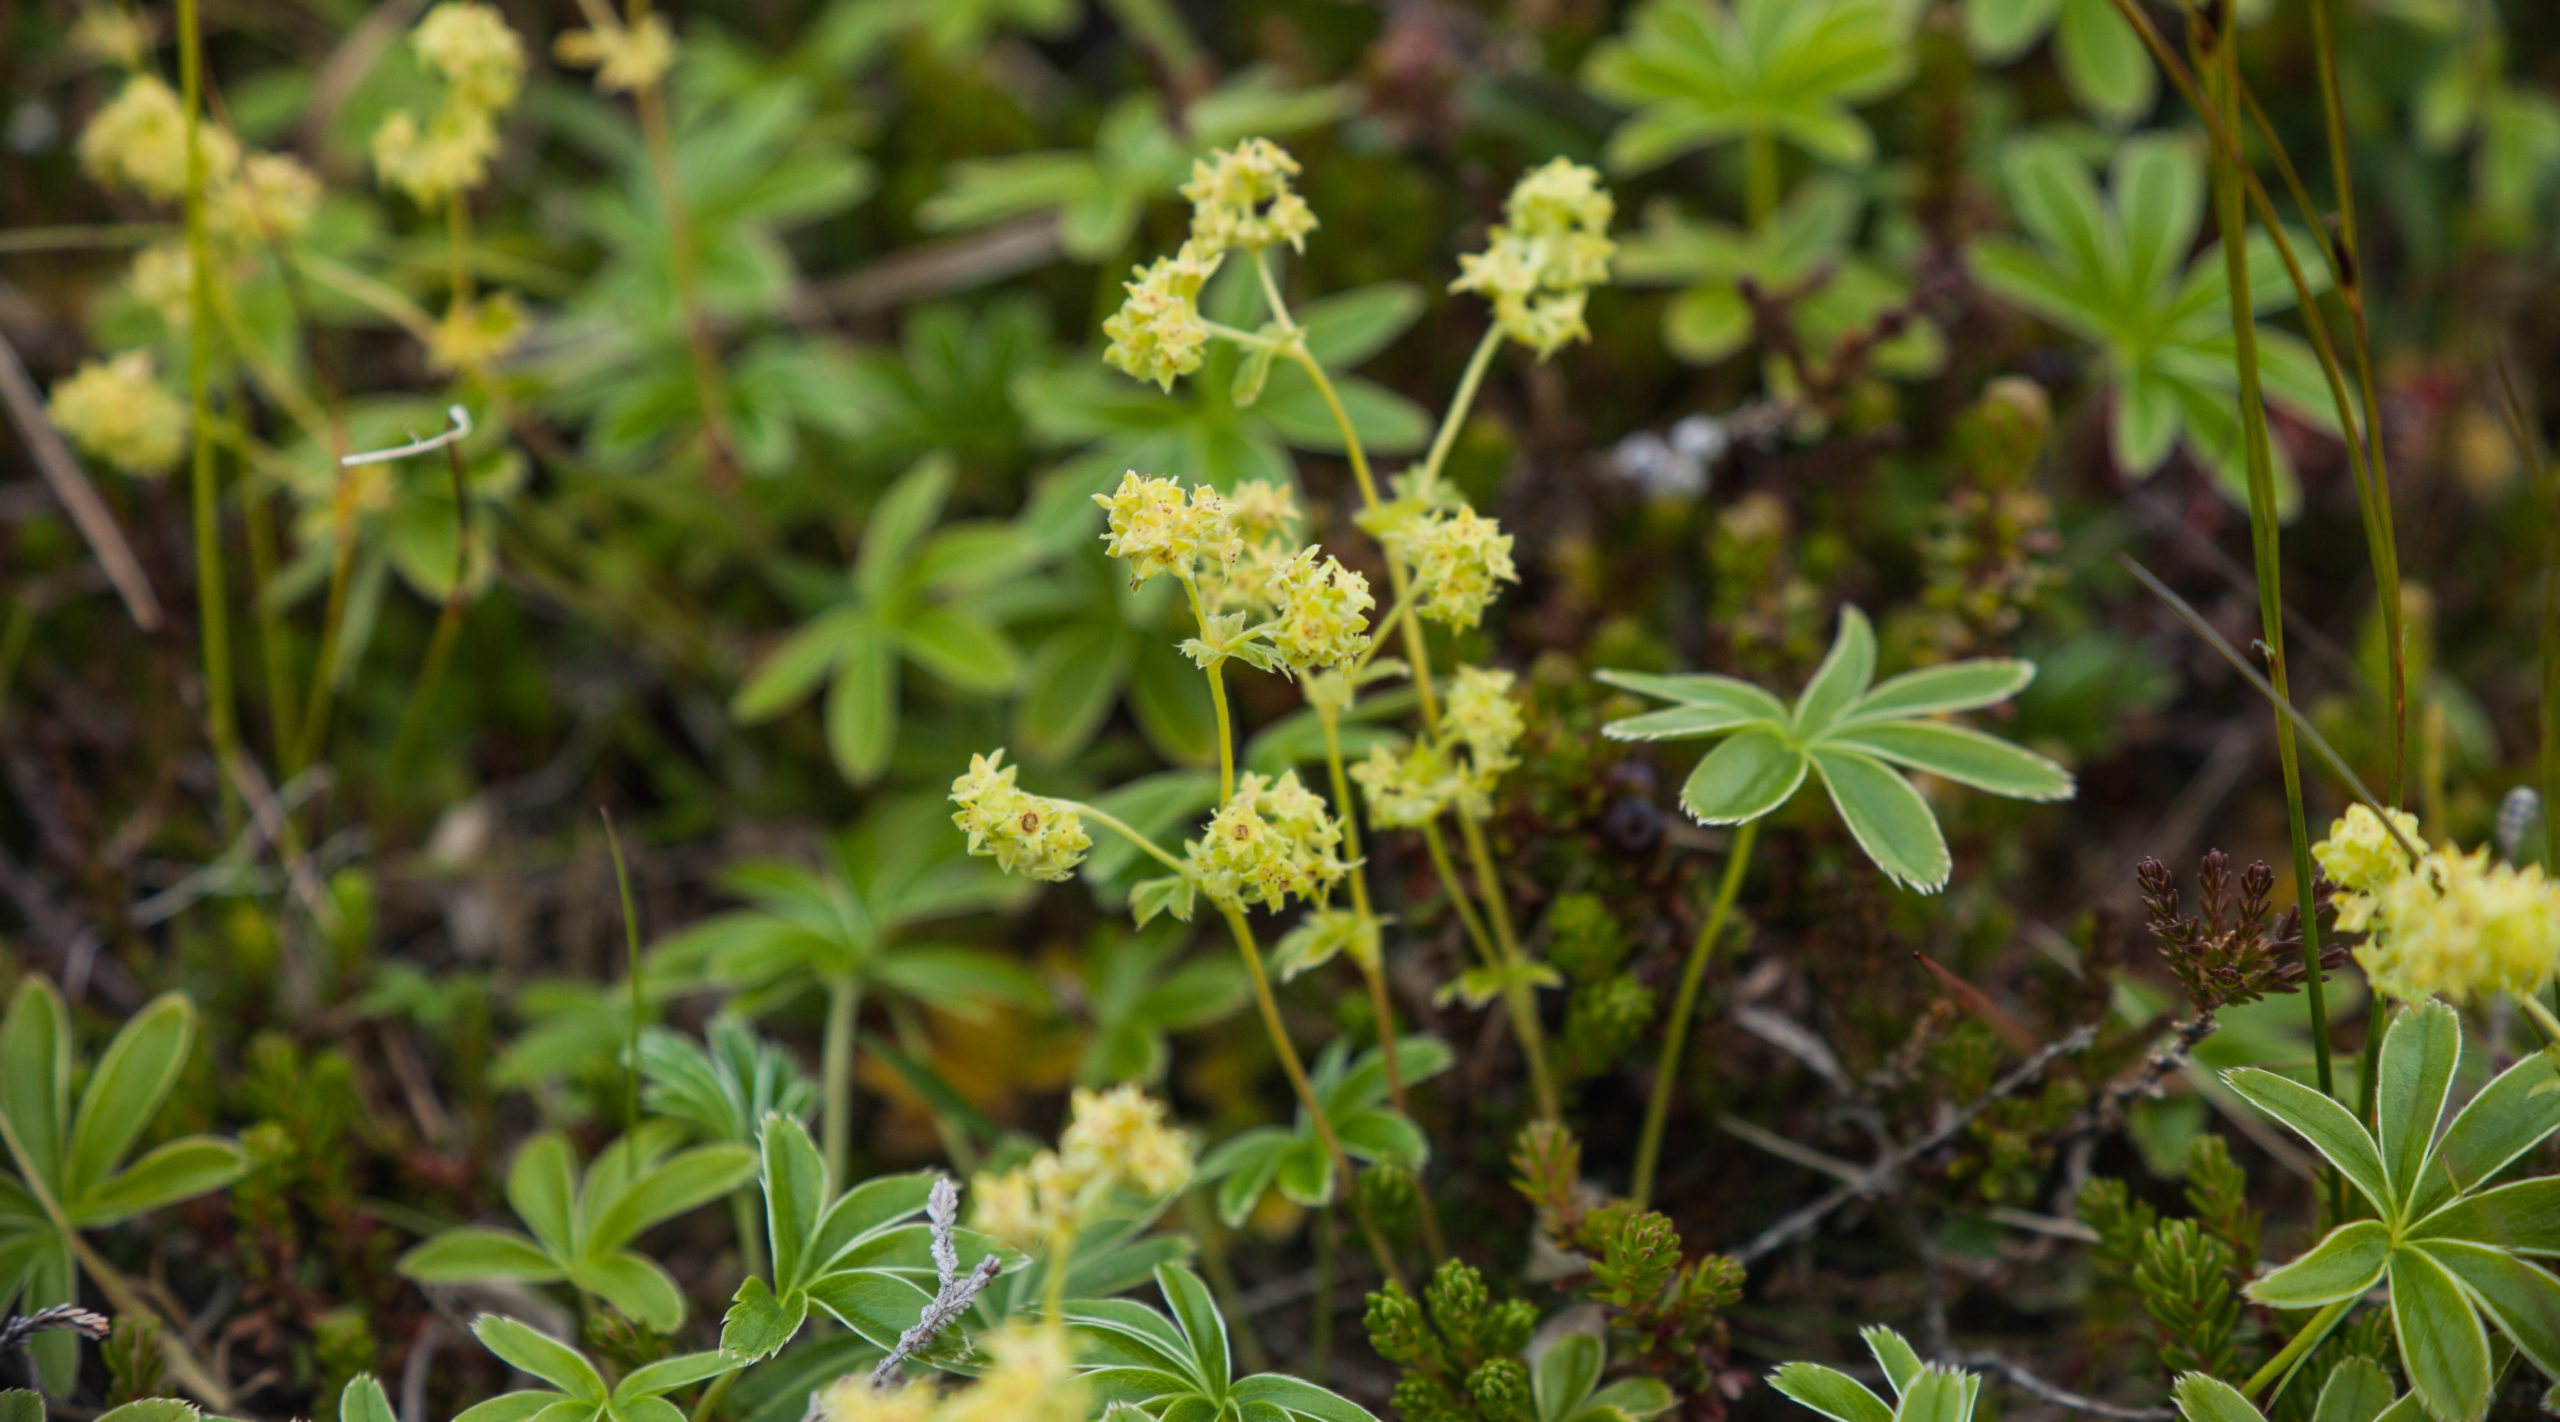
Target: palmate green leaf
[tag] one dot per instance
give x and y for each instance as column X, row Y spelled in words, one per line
column 2511, row 1115
column 960, row 647
column 862, row 707
column 362, row 1400
column 1741, row 699
column 176, row 1170
column 1894, row 1354
column 529, row 1350
column 1699, row 73
column 1938, row 1395
column 2104, row 63
column 2522, row 1298
column 1932, row 691
column 1963, row 755
column 132, row 1077
column 2204, row 1398
column 1844, row 676
column 35, row 1075
column 2415, row 1074
column 634, row 1283
column 542, row 1189
column 460, row 1255
column 1295, row 1398
column 2328, row 1126
column 1887, row 817
column 1746, row 777
column 694, row 1178
column 2358, row 1390
column 1830, row 1392
column 2345, row 1263
column 2522, row 1218
column 2444, row 1350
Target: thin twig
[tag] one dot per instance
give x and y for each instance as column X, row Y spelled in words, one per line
column 2027, row 1382
column 79, row 497
column 1892, row 1163
column 957, row 1291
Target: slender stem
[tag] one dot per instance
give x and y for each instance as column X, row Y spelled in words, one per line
column 1456, row 888
column 1666, row 1073
column 746, row 1216
column 711, row 383
column 713, row 1396
column 639, row 1003
column 449, row 630
column 1296, row 1071
column 1216, row 672
column 1759, row 175
column 1053, row 1284
column 275, row 654
column 81, row 235
column 835, row 1066
column 2232, row 217
column 1469, row 382
column 214, row 613
column 1320, row 1306
column 1114, row 823
column 2282, row 1364
column 2377, row 1017
column 1516, row 991
column 2384, row 550
column 1372, row 967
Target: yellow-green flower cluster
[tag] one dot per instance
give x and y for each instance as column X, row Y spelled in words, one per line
column 1241, row 198
column 111, row 34
column 2453, row 926
column 1157, row 528
column 1407, row 788
column 1026, row 834
column 2360, row 854
column 624, row 57
column 475, row 333
column 1032, row 1377
column 1480, row 712
column 481, row 61
column 1264, row 516
column 1157, row 333
column 1538, row 267
column 117, row 411
column 1115, row 1140
column 139, row 141
column 1321, row 620
column 1273, row 840
column 268, row 195
column 1459, row 558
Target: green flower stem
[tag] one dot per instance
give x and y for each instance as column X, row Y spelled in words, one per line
column 1456, row 888
column 2232, row 218
column 1296, row 1071
column 1516, row 991
column 2282, row 1364
column 746, row 1216
column 1121, row 827
column 1250, row 340
column 1759, row 175
column 1053, row 1284
column 714, row 1395
column 2540, row 1015
column 1371, row 969
column 1401, row 614
column 684, row 254
column 2380, row 534
column 2372, row 495
column 1469, row 382
column 1216, row 672
column 212, row 612
column 274, row 653
column 835, row 1067
column 448, row 631
column 1666, row 1073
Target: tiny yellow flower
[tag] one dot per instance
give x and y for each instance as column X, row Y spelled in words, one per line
column 117, row 411
column 450, row 154
column 1157, row 333
column 1026, row 834
column 1262, row 508
column 163, row 278
column 624, row 57
column 1480, row 712
column 852, row 1398
column 1458, row 558
column 269, row 196
column 1122, row 1135
column 1321, row 621
column 139, row 141
column 1240, row 198
column 1408, row 788
column 1157, row 529
column 470, row 46
column 2360, row 854
column 474, row 334
column 1034, row 1379
column 1272, row 841
column 111, row 34
column 1539, row 266
column 2458, row 927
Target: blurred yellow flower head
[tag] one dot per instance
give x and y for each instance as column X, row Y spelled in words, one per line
column 116, row 410
column 1539, row 265
column 1241, row 198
